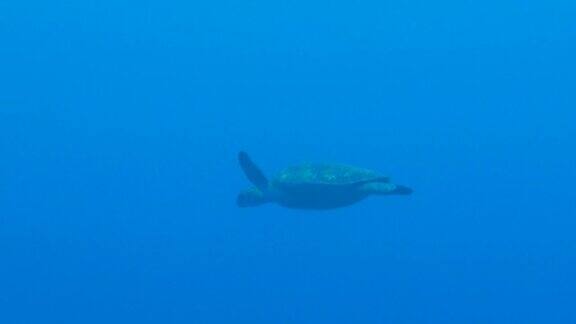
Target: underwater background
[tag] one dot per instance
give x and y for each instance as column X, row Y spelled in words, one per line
column 120, row 123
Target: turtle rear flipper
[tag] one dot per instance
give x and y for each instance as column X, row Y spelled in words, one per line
column 384, row 188
column 252, row 172
column 376, row 181
column 402, row 190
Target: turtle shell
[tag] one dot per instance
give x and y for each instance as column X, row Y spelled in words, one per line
column 324, row 174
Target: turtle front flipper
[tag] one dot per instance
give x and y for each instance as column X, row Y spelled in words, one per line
column 252, row 172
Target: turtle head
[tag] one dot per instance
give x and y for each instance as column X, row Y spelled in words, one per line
column 251, row 198
column 259, row 194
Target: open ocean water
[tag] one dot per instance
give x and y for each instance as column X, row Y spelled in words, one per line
column 121, row 121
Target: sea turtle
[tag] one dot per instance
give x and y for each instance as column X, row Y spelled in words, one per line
column 314, row 186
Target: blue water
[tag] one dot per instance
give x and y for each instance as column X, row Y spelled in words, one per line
column 120, row 122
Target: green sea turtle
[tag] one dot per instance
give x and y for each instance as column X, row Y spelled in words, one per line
column 314, row 186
